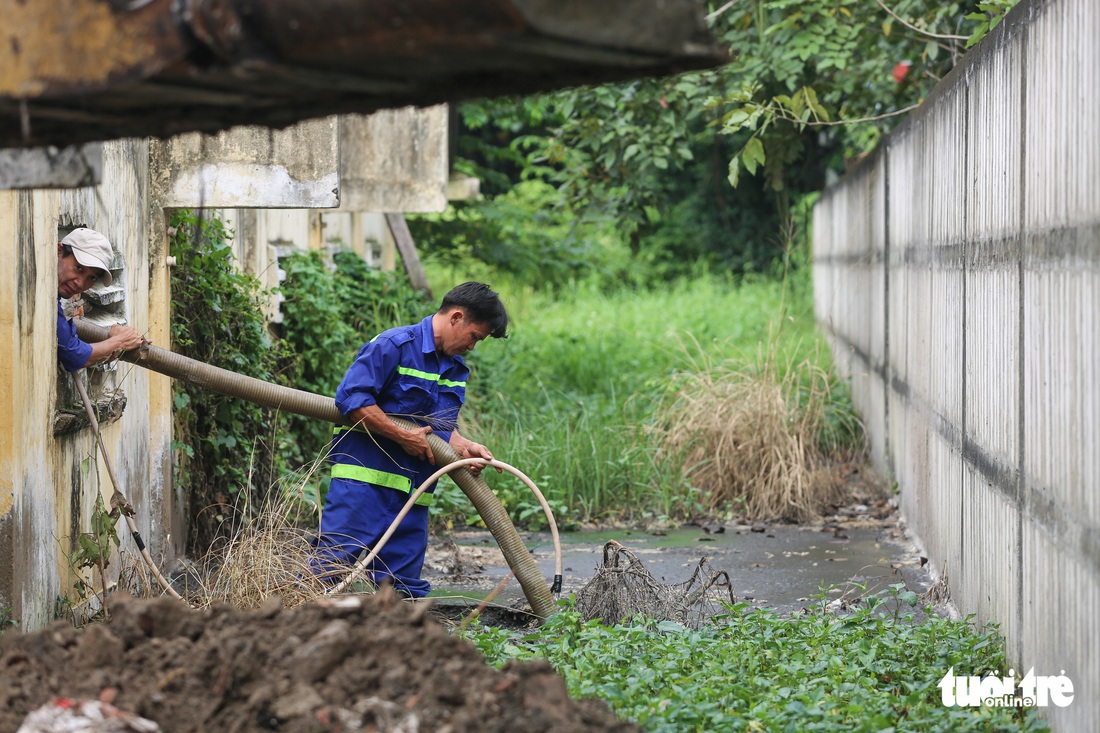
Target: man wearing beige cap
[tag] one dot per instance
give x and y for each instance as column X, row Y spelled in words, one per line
column 83, row 259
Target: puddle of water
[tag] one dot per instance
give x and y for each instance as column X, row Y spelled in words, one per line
column 782, row 568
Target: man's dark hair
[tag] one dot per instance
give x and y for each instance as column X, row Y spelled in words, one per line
column 66, row 250
column 482, row 305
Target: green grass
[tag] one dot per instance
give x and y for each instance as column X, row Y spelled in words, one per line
column 568, row 397
column 755, row 671
column 6, row 621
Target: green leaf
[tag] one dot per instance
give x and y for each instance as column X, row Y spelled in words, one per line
column 736, row 119
column 753, row 155
column 812, row 102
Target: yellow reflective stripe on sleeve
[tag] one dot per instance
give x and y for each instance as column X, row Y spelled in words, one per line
column 429, row 377
column 379, row 478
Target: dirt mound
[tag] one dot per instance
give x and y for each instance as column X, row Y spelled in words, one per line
column 349, row 664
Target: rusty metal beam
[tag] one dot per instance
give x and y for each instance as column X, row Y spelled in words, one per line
column 81, row 70
column 64, row 46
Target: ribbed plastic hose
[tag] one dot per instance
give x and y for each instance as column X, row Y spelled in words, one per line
column 366, row 560
column 308, row 404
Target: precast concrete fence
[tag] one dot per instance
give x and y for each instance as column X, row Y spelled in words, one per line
column 957, row 270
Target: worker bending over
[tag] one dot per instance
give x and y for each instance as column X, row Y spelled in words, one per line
column 414, row 372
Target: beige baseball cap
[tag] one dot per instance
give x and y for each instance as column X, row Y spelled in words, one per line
column 92, row 249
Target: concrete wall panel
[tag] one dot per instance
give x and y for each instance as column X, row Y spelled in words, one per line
column 74, row 166
column 255, row 167
column 991, row 284
column 985, row 576
column 1057, row 582
column 48, row 484
column 394, row 160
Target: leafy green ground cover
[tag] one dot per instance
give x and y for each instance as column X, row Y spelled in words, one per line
column 755, row 671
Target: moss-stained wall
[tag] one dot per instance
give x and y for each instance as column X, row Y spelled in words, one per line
column 48, row 484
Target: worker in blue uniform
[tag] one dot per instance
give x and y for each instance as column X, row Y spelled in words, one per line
column 414, row 372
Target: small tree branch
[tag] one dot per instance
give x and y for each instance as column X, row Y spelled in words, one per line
column 912, row 27
column 817, row 123
column 719, row 11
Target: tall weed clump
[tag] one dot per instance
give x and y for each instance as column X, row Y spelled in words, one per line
column 753, row 435
column 267, row 555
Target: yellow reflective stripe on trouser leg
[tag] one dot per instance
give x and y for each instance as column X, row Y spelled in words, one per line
column 378, row 478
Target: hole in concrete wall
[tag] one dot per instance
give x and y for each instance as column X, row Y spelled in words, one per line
column 372, row 252
column 104, row 306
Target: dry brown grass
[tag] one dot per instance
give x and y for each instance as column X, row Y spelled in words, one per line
column 269, row 555
column 746, row 435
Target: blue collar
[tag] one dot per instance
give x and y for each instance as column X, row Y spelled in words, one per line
column 427, row 336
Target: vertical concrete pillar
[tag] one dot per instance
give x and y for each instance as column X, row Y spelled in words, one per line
column 316, row 231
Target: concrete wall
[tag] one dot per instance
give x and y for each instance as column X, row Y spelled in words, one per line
column 958, row 271
column 48, row 483
column 390, row 161
column 394, row 160
column 255, row 167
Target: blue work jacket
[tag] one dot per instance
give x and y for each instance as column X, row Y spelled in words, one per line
column 72, row 352
column 401, row 372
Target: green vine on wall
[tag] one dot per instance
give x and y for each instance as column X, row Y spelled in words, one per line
column 224, row 446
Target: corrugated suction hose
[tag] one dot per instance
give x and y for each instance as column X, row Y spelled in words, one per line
column 308, row 404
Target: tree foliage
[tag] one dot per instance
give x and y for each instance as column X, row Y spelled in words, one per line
column 811, row 86
column 226, row 447
column 849, row 68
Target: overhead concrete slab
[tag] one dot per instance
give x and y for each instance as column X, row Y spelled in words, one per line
column 254, row 167
column 82, row 70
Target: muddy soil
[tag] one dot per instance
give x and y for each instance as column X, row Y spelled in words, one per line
column 350, row 664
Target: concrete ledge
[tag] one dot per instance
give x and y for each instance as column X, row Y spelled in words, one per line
column 73, row 167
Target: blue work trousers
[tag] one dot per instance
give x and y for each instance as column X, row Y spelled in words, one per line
column 356, row 516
